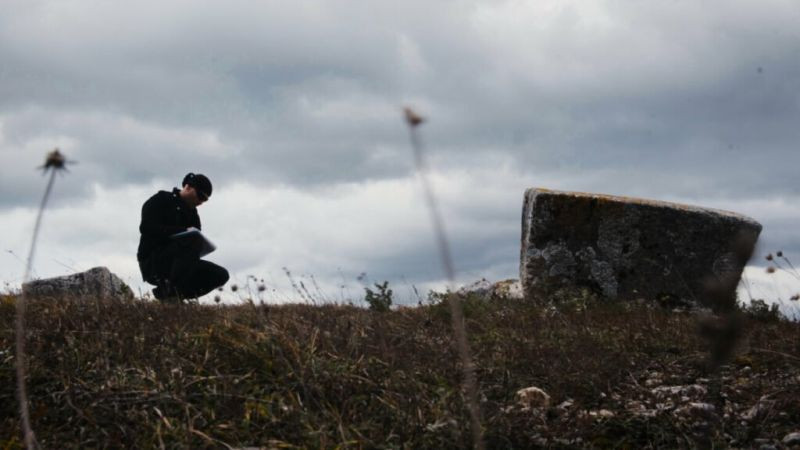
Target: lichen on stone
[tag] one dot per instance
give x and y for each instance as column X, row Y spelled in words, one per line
column 621, row 247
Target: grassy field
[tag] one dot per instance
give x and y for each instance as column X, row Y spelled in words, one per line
column 141, row 374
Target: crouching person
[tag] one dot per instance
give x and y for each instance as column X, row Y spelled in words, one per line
column 174, row 265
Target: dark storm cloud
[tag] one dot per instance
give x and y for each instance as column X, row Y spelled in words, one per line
column 311, row 96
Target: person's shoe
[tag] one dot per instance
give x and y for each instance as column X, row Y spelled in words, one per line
column 165, row 293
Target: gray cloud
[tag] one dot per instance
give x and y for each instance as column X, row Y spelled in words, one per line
column 308, row 97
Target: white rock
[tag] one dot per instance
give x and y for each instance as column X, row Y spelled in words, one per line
column 792, row 438
column 602, row 414
column 533, row 397
column 688, row 391
column 97, row 282
column 638, row 408
column 507, row 289
column 650, row 382
column 510, row 289
column 697, row 409
column 566, row 404
column 481, row 287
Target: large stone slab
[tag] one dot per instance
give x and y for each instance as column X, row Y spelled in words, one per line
column 627, row 248
column 95, row 283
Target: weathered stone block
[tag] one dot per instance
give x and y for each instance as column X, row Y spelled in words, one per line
column 627, row 248
column 97, row 282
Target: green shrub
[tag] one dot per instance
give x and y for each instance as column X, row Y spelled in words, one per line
column 381, row 300
column 760, row 310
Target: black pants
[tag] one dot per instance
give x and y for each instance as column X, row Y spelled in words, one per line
column 178, row 266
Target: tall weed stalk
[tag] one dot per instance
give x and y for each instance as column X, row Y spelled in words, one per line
column 54, row 163
column 456, row 311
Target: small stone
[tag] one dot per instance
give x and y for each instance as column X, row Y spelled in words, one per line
column 650, row 382
column 638, row 409
column 698, row 410
column 602, row 414
column 685, row 392
column 480, row 288
column 566, row 404
column 533, row 397
column 507, row 290
column 510, row 289
column 792, row 438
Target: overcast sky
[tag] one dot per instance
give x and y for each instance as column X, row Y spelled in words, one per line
column 294, row 111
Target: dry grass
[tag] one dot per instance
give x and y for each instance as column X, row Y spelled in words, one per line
column 141, row 374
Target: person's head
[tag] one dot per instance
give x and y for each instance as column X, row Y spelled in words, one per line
column 196, row 189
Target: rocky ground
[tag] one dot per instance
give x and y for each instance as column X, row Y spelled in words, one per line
column 140, row 374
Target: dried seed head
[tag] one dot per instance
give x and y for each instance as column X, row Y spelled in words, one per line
column 769, row 257
column 262, row 288
column 413, row 119
column 234, row 288
column 779, row 254
column 55, row 160
column 770, row 269
column 217, row 299
column 795, row 297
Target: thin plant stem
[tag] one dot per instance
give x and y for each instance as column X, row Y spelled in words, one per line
column 433, row 208
column 793, row 272
column 22, row 395
column 790, row 265
column 456, row 311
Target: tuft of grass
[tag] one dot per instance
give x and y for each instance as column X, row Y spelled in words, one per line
column 140, row 374
column 781, row 263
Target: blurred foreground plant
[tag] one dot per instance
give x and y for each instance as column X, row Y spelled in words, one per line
column 470, row 383
column 54, row 162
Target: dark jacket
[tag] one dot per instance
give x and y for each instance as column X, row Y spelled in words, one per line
column 163, row 215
